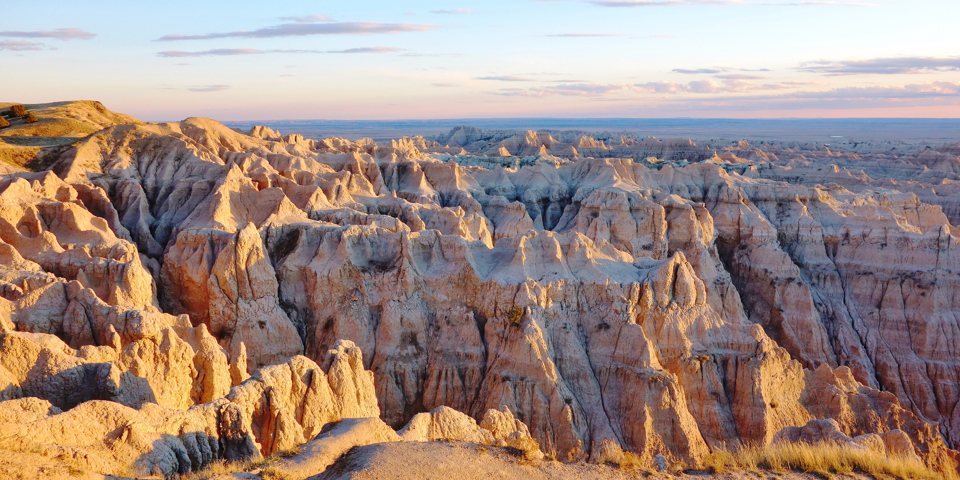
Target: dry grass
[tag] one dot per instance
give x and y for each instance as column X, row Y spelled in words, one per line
column 824, row 460
column 274, row 474
column 263, row 464
column 219, row 467
column 611, row 454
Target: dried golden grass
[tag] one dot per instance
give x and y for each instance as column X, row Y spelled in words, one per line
column 824, row 460
column 219, row 467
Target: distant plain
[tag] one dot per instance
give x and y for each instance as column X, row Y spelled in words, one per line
column 933, row 131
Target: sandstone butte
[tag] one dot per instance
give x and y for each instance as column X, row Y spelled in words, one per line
column 175, row 294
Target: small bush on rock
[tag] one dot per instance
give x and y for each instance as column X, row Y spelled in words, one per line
column 18, row 110
column 30, row 118
column 4, row 123
column 515, row 315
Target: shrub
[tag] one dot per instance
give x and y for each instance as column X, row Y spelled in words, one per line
column 30, row 118
column 515, row 315
column 4, row 123
column 18, row 110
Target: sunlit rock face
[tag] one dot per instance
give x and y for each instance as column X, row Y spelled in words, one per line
column 673, row 307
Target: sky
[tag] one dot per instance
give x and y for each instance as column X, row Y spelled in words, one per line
column 424, row 59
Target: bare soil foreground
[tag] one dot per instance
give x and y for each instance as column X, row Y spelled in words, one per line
column 190, row 300
column 436, row 461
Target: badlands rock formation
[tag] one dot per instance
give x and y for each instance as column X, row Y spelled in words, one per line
column 717, row 298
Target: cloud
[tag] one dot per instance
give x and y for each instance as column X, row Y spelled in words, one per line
column 307, row 19
column 922, row 94
column 506, row 78
column 209, row 88
column 303, row 29
column 208, row 53
column 21, row 46
column 572, row 89
column 59, row 34
column 369, row 50
column 697, row 71
column 728, row 85
column 738, row 76
column 585, row 35
column 912, row 91
column 414, row 54
column 457, row 11
column 700, row 87
column 884, row 66
column 201, row 88
column 443, row 85
column 678, row 3
column 227, row 52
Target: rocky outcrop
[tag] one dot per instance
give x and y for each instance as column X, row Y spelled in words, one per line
column 276, row 409
column 498, row 428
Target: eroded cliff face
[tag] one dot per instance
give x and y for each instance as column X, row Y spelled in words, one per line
column 672, row 311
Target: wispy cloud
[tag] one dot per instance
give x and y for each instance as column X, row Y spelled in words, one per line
column 227, row 52
column 697, row 71
column 738, row 76
column 884, row 66
column 573, row 89
column 369, row 50
column 209, row 88
column 21, row 46
column 200, row 88
column 58, row 34
column 585, row 35
column 307, row 19
column 456, row 11
column 416, row 54
column 506, row 78
column 708, row 86
column 917, row 90
column 443, row 85
column 716, row 70
column 711, row 86
column 921, row 94
column 302, row 29
column 679, row 3
column 214, row 52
